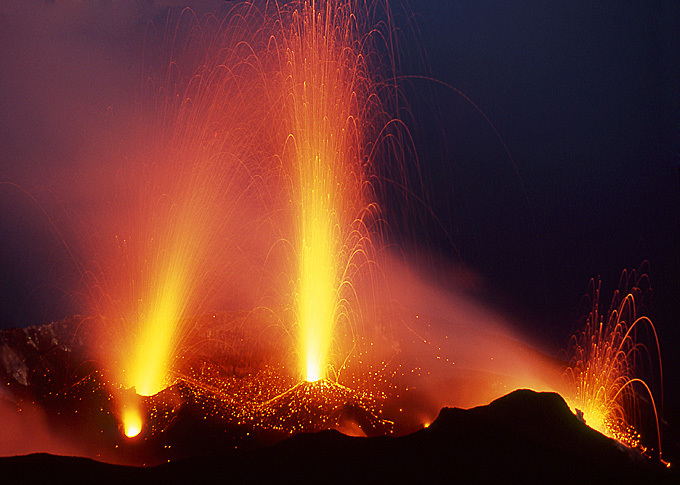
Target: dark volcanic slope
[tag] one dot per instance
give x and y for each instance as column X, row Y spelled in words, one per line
column 524, row 437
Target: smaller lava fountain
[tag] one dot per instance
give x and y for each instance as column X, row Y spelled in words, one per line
column 185, row 202
column 606, row 360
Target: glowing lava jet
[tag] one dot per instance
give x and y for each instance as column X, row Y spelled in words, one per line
column 311, row 104
column 605, row 359
column 328, row 100
column 186, row 190
column 132, row 423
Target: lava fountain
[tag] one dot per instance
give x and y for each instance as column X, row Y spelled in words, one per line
column 607, row 360
column 329, row 99
column 187, row 201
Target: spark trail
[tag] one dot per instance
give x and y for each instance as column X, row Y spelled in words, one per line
column 607, row 361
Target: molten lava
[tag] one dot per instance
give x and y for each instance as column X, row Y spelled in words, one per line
column 184, row 199
column 326, row 93
column 132, row 423
column 606, row 361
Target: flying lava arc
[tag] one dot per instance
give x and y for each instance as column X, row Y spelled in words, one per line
column 607, row 362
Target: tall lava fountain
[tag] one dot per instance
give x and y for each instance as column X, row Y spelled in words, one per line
column 329, row 96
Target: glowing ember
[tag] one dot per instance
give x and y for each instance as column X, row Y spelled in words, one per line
column 271, row 400
column 605, row 359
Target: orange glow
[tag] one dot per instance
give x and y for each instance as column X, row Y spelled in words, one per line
column 606, row 360
column 326, row 90
column 132, row 423
column 185, row 202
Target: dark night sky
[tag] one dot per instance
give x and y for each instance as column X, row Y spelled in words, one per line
column 586, row 99
column 584, row 94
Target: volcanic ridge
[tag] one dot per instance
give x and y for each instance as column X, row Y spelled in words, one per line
column 523, row 437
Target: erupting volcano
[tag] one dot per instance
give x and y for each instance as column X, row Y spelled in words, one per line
column 250, row 275
column 211, row 161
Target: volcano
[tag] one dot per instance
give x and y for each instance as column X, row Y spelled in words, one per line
column 195, row 434
column 523, row 437
column 235, row 417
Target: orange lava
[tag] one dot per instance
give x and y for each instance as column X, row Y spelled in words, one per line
column 607, row 361
column 326, row 90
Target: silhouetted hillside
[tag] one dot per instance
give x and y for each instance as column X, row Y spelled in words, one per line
column 524, row 437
